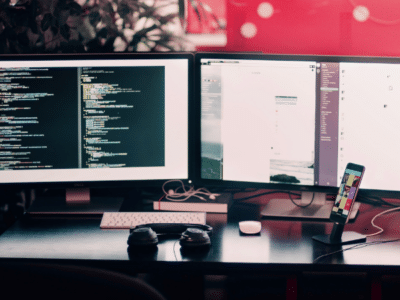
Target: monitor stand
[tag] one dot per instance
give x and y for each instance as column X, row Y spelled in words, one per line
column 320, row 208
column 77, row 201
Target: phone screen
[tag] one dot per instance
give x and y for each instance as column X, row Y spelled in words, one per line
column 347, row 192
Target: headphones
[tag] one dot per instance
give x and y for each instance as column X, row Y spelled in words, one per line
column 192, row 236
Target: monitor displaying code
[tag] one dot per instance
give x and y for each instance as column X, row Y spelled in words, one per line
column 92, row 115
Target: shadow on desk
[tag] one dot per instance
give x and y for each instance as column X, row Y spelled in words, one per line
column 23, row 280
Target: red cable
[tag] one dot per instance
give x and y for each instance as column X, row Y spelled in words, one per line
column 159, row 202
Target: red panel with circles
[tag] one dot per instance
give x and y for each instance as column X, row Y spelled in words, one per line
column 331, row 27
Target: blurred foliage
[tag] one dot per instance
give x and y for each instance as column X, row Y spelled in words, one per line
column 68, row 26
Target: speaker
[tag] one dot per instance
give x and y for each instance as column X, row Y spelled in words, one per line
column 192, row 236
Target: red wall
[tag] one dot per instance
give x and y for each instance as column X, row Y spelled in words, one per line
column 314, row 26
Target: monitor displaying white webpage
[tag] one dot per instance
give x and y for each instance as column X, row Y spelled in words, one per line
column 299, row 122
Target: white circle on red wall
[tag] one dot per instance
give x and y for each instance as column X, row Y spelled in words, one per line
column 248, row 30
column 361, row 13
column 265, row 10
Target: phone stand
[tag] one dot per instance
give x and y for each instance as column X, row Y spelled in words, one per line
column 338, row 237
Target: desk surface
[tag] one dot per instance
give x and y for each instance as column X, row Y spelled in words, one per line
column 283, row 245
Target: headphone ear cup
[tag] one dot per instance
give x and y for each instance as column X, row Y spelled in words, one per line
column 142, row 237
column 195, row 238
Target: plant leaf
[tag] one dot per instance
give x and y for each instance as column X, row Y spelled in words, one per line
column 94, row 17
column 124, row 10
column 144, row 31
column 109, row 45
column 65, row 31
column 47, row 21
column 102, row 33
column 23, row 39
column 181, row 9
column 54, row 29
column 74, row 8
column 168, row 18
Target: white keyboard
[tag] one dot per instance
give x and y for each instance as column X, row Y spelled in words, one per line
column 126, row 220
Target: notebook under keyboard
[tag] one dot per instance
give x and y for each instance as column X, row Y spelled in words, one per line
column 126, row 220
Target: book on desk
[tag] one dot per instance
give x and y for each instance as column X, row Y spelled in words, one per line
column 221, row 204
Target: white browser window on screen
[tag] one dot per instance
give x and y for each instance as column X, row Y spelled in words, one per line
column 268, row 120
column 369, row 121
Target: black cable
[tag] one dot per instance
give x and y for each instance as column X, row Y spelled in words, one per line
column 277, row 192
column 376, row 201
column 371, row 200
column 387, row 203
column 258, row 195
column 368, row 200
column 298, row 205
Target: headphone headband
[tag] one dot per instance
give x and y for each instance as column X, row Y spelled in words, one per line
column 173, row 228
column 192, row 236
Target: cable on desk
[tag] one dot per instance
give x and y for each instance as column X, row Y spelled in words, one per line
column 360, row 245
column 257, row 195
column 387, row 202
column 376, row 216
column 368, row 200
column 357, row 246
column 277, row 192
column 376, row 201
column 183, row 193
column 174, row 249
column 159, row 202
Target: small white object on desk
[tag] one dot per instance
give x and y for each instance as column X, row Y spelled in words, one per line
column 250, row 227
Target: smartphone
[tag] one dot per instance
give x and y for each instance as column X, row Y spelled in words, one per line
column 347, row 193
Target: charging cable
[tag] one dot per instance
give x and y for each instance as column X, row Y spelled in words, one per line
column 182, row 193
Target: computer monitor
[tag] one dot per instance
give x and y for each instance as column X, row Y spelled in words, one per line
column 292, row 122
column 82, row 121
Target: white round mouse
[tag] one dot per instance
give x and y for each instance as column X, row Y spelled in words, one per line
column 250, row 227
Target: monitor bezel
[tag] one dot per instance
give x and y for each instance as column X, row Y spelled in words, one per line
column 134, row 183
column 228, row 184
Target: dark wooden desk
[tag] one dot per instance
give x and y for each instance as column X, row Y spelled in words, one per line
column 283, row 248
